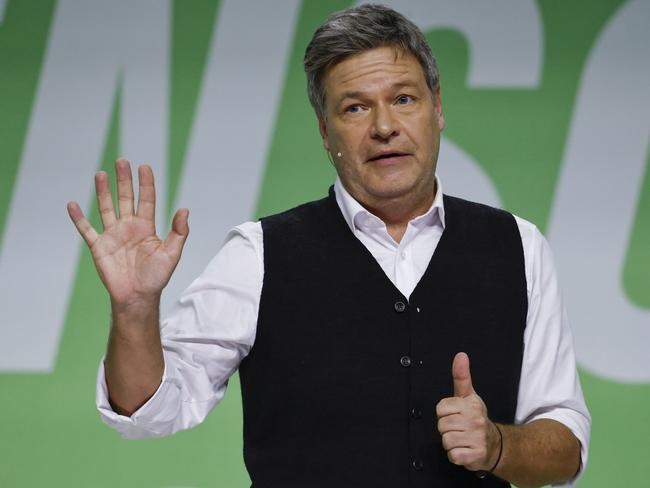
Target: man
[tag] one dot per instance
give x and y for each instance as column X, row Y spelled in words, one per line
column 353, row 319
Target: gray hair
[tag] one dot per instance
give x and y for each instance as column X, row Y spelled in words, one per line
column 360, row 29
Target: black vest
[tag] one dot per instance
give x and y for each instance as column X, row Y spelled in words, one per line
column 341, row 385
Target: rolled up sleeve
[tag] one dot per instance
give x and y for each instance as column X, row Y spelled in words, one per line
column 550, row 386
column 209, row 331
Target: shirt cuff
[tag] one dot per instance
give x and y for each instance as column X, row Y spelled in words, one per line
column 153, row 419
column 579, row 425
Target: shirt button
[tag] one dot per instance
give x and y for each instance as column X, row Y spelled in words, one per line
column 400, row 306
column 417, row 464
column 416, row 413
column 403, row 254
column 405, row 361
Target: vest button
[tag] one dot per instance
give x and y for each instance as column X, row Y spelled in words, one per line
column 417, row 464
column 400, row 306
column 405, row 361
column 416, row 413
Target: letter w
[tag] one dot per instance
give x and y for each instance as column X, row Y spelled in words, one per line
column 93, row 46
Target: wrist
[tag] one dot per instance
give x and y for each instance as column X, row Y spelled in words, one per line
column 141, row 305
column 136, row 315
column 496, row 450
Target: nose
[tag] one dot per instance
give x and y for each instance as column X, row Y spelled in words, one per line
column 384, row 124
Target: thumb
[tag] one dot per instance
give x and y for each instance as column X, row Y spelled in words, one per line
column 178, row 233
column 462, row 377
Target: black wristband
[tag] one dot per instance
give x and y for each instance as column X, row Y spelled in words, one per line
column 482, row 474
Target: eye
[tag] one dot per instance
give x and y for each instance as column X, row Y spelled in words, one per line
column 353, row 109
column 404, row 99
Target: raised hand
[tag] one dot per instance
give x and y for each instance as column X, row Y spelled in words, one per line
column 132, row 262
column 469, row 437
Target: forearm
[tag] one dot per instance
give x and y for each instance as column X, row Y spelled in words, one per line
column 134, row 361
column 539, row 453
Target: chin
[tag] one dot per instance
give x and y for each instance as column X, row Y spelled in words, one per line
column 391, row 190
column 395, row 186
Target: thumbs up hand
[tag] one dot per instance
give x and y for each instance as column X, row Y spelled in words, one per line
column 468, row 435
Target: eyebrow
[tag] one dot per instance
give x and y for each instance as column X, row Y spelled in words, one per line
column 361, row 94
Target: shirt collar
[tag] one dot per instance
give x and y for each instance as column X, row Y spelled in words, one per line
column 357, row 216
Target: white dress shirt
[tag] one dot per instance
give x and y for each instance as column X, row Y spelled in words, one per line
column 212, row 326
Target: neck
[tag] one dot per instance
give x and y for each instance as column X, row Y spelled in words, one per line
column 396, row 213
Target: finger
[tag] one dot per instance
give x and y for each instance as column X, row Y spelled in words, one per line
column 454, row 440
column 146, row 194
column 105, row 200
column 461, row 456
column 462, row 377
column 451, row 423
column 83, row 226
column 178, row 233
column 124, row 188
column 448, row 406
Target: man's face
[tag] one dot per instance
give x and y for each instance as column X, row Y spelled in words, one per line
column 383, row 119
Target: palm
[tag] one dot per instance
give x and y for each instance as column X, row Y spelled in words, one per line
column 131, row 260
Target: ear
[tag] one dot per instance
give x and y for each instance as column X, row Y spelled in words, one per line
column 437, row 107
column 322, row 128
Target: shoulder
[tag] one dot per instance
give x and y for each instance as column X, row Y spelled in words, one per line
column 473, row 216
column 535, row 249
column 242, row 247
column 480, row 212
column 461, row 208
column 474, row 220
column 305, row 214
column 249, row 231
column 531, row 237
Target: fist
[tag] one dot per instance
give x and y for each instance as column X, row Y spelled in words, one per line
column 468, row 435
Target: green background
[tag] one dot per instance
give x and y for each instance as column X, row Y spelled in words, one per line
column 50, row 433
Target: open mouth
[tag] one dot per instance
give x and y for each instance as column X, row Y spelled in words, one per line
column 387, row 155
